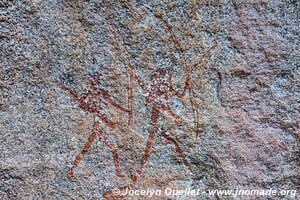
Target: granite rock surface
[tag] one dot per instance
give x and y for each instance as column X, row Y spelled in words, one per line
column 73, row 68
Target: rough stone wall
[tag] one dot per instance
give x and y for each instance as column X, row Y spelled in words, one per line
column 243, row 60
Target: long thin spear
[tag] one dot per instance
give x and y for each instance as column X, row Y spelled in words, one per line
column 130, row 81
column 188, row 68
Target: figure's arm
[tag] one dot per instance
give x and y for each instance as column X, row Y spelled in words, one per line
column 107, row 98
column 117, row 105
column 136, row 78
column 167, row 108
column 107, row 121
column 186, row 86
column 188, row 78
column 202, row 58
column 71, row 92
column 177, row 93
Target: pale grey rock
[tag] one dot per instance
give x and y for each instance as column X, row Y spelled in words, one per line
column 247, row 93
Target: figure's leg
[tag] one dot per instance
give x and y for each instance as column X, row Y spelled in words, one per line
column 111, row 194
column 170, row 112
column 80, row 155
column 152, row 131
column 113, row 149
column 177, row 147
column 107, row 121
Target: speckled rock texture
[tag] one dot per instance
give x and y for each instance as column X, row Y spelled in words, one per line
column 85, row 83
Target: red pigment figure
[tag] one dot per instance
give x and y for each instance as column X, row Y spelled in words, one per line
column 157, row 94
column 91, row 102
column 188, row 68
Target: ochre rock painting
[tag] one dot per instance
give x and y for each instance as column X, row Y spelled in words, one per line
column 149, row 99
